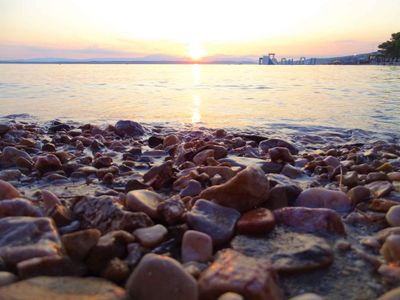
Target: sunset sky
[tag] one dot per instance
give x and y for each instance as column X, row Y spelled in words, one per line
column 193, row 28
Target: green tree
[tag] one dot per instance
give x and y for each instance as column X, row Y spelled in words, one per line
column 391, row 48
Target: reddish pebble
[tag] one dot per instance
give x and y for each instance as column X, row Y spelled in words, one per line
column 196, row 246
column 7, row 191
column 152, row 236
column 260, row 220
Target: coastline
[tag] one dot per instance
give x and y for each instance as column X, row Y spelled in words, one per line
column 79, row 177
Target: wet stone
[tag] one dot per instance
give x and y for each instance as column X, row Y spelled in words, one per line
column 22, row 238
column 271, row 143
column 380, row 188
column 291, row 172
column 129, row 128
column 78, row 244
column 247, row 190
column 157, row 276
column 280, row 154
column 192, row 189
column 196, row 246
column 258, row 221
column 323, row 198
column 289, row 252
column 152, row 236
column 8, row 191
column 171, row 210
column 393, row 216
column 215, row 220
column 63, row 288
column 231, row 271
column 144, row 201
column 47, row 163
column 391, row 248
column 359, row 194
column 19, row 207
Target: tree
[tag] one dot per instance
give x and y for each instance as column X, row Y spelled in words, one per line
column 391, row 48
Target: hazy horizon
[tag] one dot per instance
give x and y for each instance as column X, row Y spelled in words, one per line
column 192, row 30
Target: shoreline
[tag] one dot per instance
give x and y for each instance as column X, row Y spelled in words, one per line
column 298, row 208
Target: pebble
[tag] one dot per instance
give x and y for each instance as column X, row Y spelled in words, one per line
column 7, row 278
column 10, row 155
column 271, row 143
column 79, row 243
column 258, row 221
column 391, row 295
column 50, row 200
column 196, row 246
column 391, row 248
column 359, row 194
column 332, row 161
column 144, row 201
column 19, row 207
column 158, row 176
column 247, row 190
column 350, row 179
column 394, row 176
column 393, row 216
column 116, row 270
column 171, row 210
column 230, row 296
column 10, row 174
column 291, row 172
column 63, row 288
column 170, row 140
column 152, row 236
column 233, row 272
column 380, row 188
column 201, row 157
column 159, row 276
column 192, row 189
column 376, row 176
column 47, row 163
column 129, row 128
column 310, row 219
column 215, row 220
column 323, row 198
column 308, row 296
column 280, row 154
column 7, row 191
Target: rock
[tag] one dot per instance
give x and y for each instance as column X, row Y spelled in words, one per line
column 170, row 140
column 50, row 266
column 135, row 184
column 247, row 190
column 359, row 194
column 4, row 128
column 282, row 195
column 154, row 141
column 391, row 248
column 291, row 172
column 171, row 210
column 110, row 245
column 152, row 236
column 380, row 188
column 19, row 207
column 62, row 288
column 381, row 205
column 201, row 157
column 10, row 175
column 230, row 296
column 47, row 163
column 323, row 198
column 106, row 214
column 192, row 189
column 129, row 128
column 390, row 273
column 307, row 296
column 50, row 200
column 272, row 143
column 258, row 221
column 144, row 201
column 393, row 216
column 376, row 176
column 7, row 278
column 7, row 191
column 116, row 270
column 289, row 252
column 79, row 243
column 157, row 276
column 157, row 176
column 215, row 220
column 391, row 295
column 350, row 179
column 134, row 254
column 310, row 219
column 196, row 246
column 49, row 147
column 11, row 155
column 231, row 271
column 332, row 161
column 22, row 238
column 280, row 154
column 58, row 126
column 394, row 176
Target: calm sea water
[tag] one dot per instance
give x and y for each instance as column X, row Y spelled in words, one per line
column 347, row 97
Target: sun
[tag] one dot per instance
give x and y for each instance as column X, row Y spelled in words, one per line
column 196, row 51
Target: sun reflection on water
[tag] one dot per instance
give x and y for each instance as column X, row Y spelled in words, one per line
column 196, row 115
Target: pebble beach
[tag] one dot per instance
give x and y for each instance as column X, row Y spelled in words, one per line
column 144, row 211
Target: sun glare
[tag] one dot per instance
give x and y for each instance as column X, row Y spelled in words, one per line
column 196, row 51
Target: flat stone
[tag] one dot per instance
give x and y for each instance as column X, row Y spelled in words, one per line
column 152, row 236
column 258, row 221
column 380, row 188
column 62, row 288
column 196, row 246
column 158, row 276
column 376, row 176
column 215, row 220
column 247, row 190
column 129, row 128
column 231, row 271
column 310, row 219
column 394, row 176
column 22, row 238
column 391, row 248
column 7, row 278
column 79, row 243
column 144, row 201
column 192, row 189
column 393, row 216
column 291, row 172
column 107, row 214
column 289, row 252
column 8, row 191
column 323, row 198
column 19, row 207
column 50, row 266
column 382, row 205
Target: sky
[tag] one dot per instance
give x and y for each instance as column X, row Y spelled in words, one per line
column 193, row 29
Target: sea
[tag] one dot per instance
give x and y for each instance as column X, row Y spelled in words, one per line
column 360, row 101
